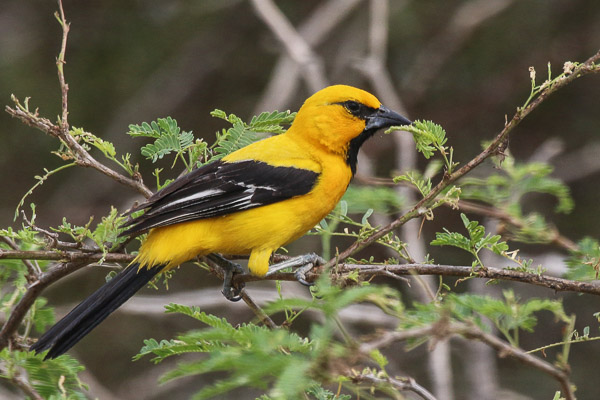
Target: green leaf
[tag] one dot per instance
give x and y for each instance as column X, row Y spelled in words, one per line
column 428, row 136
column 506, row 189
column 168, row 137
column 477, row 239
column 271, row 122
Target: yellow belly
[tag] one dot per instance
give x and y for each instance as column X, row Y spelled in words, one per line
column 263, row 228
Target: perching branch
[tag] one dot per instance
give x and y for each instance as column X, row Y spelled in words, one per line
column 365, row 271
column 369, row 271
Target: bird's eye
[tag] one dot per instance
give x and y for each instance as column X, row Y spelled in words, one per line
column 353, row 107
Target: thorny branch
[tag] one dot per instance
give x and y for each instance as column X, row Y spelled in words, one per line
column 61, row 132
column 422, row 207
column 555, row 237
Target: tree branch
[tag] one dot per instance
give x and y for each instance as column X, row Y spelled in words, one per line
column 422, row 207
column 369, row 271
column 444, row 329
column 60, row 63
column 20, row 310
column 504, row 349
column 62, row 132
column 64, row 256
column 365, row 271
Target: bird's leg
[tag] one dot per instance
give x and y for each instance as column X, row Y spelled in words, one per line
column 305, row 264
column 231, row 292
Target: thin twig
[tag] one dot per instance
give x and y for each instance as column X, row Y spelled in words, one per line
column 404, row 384
column 32, row 270
column 258, row 311
column 78, row 152
column 20, row 310
column 504, row 349
column 60, row 62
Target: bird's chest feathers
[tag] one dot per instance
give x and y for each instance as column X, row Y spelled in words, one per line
column 334, row 180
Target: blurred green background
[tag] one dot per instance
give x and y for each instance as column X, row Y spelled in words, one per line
column 463, row 64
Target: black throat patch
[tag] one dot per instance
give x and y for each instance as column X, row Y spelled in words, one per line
column 363, row 112
column 354, row 146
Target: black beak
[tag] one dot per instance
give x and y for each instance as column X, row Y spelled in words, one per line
column 384, row 118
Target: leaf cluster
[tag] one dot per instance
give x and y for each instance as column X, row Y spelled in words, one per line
column 281, row 362
column 168, row 138
column 430, row 137
column 52, row 379
column 477, row 240
column 241, row 134
column 506, row 189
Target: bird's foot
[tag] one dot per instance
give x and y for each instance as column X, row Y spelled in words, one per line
column 305, row 263
column 231, row 291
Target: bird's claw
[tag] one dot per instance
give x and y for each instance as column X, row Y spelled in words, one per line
column 300, row 274
column 231, row 291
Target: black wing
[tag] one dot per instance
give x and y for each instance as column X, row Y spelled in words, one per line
column 221, row 188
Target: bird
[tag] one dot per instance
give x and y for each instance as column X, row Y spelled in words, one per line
column 250, row 202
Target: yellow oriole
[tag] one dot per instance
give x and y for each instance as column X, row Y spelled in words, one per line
column 252, row 201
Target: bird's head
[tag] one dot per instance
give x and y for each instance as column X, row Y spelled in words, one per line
column 340, row 118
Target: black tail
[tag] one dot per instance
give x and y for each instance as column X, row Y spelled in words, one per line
column 93, row 310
